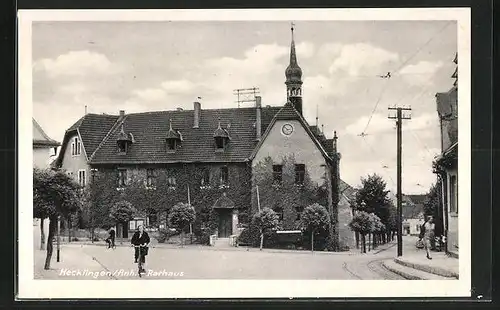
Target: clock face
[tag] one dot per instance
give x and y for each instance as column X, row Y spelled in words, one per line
column 287, row 129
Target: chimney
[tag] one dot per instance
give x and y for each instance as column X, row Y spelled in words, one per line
column 122, row 113
column 258, row 122
column 197, row 112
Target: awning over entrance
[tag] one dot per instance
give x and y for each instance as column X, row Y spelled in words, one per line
column 224, row 203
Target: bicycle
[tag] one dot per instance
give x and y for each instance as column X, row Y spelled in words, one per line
column 140, row 270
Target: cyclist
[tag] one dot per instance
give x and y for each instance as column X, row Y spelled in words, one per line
column 111, row 238
column 140, row 240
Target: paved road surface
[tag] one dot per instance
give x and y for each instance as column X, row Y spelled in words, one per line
column 208, row 263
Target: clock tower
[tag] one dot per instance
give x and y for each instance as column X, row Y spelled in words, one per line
column 293, row 74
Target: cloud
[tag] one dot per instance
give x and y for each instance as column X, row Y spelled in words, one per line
column 378, row 124
column 150, row 94
column 305, row 50
column 76, row 63
column 362, row 59
column 421, row 73
column 178, row 86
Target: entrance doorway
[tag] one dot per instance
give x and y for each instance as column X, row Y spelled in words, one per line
column 225, row 223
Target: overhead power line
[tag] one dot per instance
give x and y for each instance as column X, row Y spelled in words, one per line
column 418, row 50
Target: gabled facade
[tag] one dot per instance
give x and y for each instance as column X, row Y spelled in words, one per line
column 413, row 214
column 208, row 156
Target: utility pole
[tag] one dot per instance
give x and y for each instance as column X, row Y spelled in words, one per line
column 399, row 124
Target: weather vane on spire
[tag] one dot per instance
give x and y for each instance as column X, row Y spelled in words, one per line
column 293, row 25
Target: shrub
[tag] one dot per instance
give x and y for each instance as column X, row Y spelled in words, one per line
column 165, row 234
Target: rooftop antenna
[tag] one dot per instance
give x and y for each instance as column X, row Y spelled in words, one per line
column 316, row 115
column 246, row 95
column 85, row 109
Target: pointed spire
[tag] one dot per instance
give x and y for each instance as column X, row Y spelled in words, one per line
column 293, row 72
column 293, row 55
column 170, row 123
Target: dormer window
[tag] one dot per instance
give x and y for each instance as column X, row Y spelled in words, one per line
column 221, row 138
column 173, row 139
column 124, row 141
column 219, row 143
column 122, row 147
column 171, row 144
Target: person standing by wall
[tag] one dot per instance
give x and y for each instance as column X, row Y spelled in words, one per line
column 427, row 234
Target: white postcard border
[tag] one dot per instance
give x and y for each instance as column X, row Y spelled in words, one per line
column 69, row 289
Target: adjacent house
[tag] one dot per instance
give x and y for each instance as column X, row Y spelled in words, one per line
column 446, row 164
column 216, row 158
column 44, row 151
column 413, row 214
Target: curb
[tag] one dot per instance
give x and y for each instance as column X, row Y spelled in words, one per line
column 387, row 265
column 429, row 269
column 385, row 249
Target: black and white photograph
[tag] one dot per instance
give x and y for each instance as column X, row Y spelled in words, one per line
column 269, row 153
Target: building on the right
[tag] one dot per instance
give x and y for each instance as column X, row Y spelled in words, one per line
column 446, row 164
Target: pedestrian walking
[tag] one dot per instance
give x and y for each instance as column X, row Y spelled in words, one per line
column 427, row 235
column 111, row 238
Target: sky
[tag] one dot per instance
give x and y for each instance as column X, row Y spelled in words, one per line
column 153, row 66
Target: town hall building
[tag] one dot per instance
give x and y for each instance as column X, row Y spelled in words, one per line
column 233, row 160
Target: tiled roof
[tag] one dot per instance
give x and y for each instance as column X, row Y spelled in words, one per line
column 38, row 133
column 149, row 130
column 93, row 128
column 347, row 191
column 417, row 199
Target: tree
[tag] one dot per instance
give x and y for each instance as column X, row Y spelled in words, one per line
column 372, row 197
column 55, row 194
column 265, row 220
column 361, row 223
column 376, row 227
column 288, row 196
column 122, row 212
column 41, row 211
column 431, row 206
column 315, row 217
column 181, row 216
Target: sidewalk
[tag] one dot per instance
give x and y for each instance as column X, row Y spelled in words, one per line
column 417, row 267
column 74, row 264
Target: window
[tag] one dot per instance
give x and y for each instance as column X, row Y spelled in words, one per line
column 299, row 211
column 122, row 147
column 81, row 178
column 150, row 178
column 277, row 174
column 171, row 182
column 205, row 178
column 279, row 212
column 300, row 171
column 219, row 143
column 224, row 176
column 76, row 147
column 122, row 177
column 171, row 144
column 453, row 194
column 93, row 174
